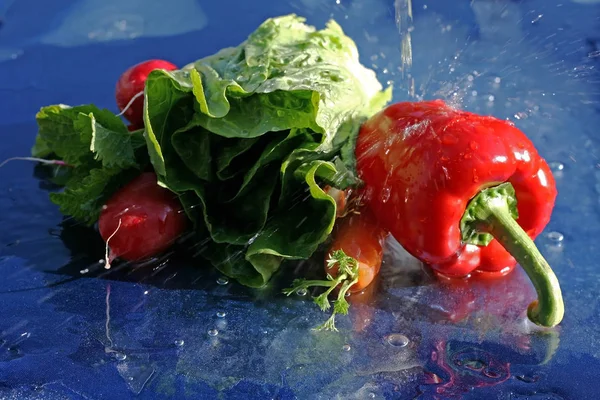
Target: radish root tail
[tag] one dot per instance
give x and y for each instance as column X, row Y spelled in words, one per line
column 107, row 258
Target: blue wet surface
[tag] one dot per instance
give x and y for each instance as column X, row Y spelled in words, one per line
column 71, row 330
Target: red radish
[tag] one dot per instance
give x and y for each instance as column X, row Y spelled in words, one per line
column 141, row 220
column 131, row 84
column 132, row 127
column 361, row 238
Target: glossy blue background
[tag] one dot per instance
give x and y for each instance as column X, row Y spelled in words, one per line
column 69, row 329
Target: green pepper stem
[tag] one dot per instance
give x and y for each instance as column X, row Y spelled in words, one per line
column 493, row 215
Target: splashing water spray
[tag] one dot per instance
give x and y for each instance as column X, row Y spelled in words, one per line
column 404, row 22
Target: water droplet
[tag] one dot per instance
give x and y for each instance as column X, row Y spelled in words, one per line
column 253, row 238
column 556, row 166
column 101, row 261
column 536, row 19
column 385, row 194
column 120, row 356
column 346, row 347
column 301, row 292
column 449, row 139
column 221, row 314
column 397, row 340
column 521, row 115
column 146, row 292
column 213, row 332
column 179, row 342
column 84, row 271
column 222, row 281
column 491, row 374
column 555, row 237
column 527, row 379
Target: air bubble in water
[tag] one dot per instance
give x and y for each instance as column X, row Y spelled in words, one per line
column 120, row 356
column 221, row 314
column 397, row 340
column 346, row 347
column 213, row 332
column 84, row 271
column 301, row 292
column 179, row 343
column 491, row 98
column 555, row 237
column 222, row 281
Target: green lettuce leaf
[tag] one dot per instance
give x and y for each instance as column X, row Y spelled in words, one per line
column 248, row 137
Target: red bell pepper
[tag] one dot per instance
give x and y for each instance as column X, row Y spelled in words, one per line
column 449, row 185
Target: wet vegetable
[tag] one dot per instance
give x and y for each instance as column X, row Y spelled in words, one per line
column 130, row 88
column 141, row 220
column 449, row 185
column 353, row 261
